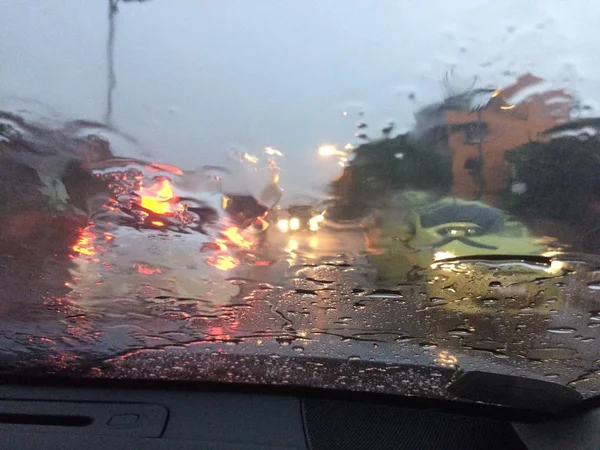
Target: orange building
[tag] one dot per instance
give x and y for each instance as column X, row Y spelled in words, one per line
column 478, row 127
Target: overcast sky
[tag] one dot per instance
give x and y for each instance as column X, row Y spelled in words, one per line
column 196, row 78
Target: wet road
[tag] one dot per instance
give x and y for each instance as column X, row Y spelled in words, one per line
column 307, row 293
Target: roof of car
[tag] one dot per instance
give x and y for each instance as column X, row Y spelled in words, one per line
column 484, row 216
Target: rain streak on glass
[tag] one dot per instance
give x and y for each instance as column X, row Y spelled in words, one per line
column 362, row 201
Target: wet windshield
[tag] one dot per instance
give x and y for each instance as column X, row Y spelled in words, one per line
column 258, row 192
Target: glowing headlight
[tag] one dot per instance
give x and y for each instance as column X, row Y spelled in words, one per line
column 294, row 224
column 313, row 223
column 438, row 256
column 283, row 225
column 556, row 266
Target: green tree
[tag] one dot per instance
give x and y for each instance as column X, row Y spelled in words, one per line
column 386, row 166
column 555, row 180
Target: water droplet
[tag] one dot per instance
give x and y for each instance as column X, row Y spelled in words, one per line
column 561, row 330
column 461, row 331
column 306, row 291
column 343, row 320
column 450, row 288
column 384, row 293
column 437, row 300
column 428, row 345
column 489, row 301
column 285, row 340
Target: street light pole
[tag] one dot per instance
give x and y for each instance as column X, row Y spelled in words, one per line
column 111, row 80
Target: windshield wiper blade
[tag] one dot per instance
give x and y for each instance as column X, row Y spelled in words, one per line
column 464, row 240
column 534, row 259
column 515, row 392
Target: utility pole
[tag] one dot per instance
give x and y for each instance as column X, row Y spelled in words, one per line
column 111, row 80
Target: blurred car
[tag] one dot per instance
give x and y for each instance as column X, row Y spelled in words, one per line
column 477, row 258
column 44, row 191
column 300, row 218
column 244, row 210
column 401, row 241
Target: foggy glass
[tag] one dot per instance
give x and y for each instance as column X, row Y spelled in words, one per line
column 351, row 180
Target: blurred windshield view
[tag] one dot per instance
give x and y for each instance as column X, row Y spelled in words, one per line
column 321, row 182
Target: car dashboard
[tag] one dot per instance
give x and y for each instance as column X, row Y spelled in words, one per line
column 34, row 416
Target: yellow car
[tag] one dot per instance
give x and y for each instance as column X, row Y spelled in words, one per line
column 452, row 242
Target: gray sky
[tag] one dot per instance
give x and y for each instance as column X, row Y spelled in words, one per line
column 196, row 78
